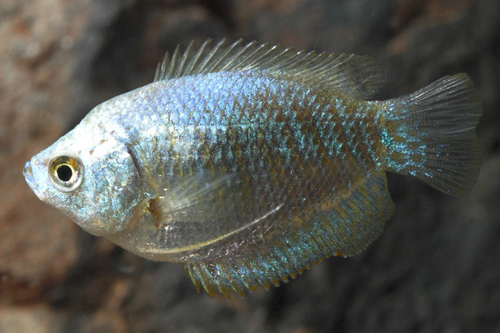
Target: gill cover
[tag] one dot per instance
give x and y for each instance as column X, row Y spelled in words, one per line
column 110, row 190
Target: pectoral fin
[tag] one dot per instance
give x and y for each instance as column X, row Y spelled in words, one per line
column 199, row 212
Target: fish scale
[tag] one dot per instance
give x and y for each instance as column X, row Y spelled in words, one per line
column 250, row 163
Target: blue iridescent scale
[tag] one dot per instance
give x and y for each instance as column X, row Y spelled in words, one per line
column 260, row 114
column 287, row 144
column 256, row 161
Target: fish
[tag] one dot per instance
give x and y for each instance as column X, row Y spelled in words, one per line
column 249, row 163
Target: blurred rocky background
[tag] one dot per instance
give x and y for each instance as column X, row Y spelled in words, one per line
column 434, row 269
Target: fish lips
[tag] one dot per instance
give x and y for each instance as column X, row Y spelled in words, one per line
column 29, row 176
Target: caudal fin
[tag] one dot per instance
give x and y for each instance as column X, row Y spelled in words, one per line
column 431, row 134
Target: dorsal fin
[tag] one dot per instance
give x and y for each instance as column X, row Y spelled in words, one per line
column 356, row 76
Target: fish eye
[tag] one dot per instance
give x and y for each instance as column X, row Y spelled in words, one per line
column 66, row 172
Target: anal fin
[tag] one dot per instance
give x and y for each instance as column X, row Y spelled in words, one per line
column 355, row 222
column 341, row 225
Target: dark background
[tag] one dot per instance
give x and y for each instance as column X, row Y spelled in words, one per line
column 434, row 269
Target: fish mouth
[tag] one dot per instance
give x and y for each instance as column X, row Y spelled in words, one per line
column 28, row 175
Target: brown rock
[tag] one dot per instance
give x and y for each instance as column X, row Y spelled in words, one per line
column 433, row 269
column 37, row 245
column 37, row 318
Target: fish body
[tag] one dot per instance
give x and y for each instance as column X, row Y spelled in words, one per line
column 248, row 163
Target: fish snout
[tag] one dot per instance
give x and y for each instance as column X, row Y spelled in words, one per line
column 27, row 170
column 28, row 175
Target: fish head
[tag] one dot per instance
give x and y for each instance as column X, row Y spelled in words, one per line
column 92, row 179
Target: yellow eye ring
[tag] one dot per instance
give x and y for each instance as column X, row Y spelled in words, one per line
column 66, row 172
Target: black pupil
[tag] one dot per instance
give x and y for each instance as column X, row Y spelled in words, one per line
column 64, row 173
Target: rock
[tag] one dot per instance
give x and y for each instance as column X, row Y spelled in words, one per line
column 38, row 318
column 37, row 245
column 433, row 269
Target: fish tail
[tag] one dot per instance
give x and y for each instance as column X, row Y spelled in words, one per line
column 431, row 134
